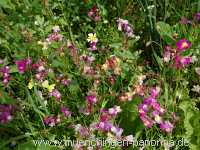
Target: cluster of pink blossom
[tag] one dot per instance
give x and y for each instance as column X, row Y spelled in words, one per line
column 175, row 54
column 152, row 113
column 105, row 125
column 5, row 74
column 22, row 65
column 39, row 67
column 94, row 14
column 5, row 113
column 65, row 111
column 55, row 93
column 55, row 36
column 51, row 120
column 124, row 26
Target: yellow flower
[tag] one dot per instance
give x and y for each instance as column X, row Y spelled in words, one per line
column 46, row 85
column 92, row 38
column 30, row 84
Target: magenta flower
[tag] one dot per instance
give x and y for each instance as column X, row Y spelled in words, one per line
column 5, row 113
column 186, row 60
column 5, row 117
column 22, row 64
column 91, row 99
column 154, row 92
column 93, row 46
column 183, row 44
column 167, row 126
column 181, row 62
column 65, row 111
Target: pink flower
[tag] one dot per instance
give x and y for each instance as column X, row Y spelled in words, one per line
column 91, row 99
column 185, row 21
column 65, row 111
column 66, row 82
column 55, row 93
column 154, row 92
column 181, row 62
column 147, row 121
column 183, row 44
column 54, row 37
column 94, row 14
column 186, row 60
column 6, row 75
column 114, row 111
column 51, row 120
column 93, row 46
column 167, row 126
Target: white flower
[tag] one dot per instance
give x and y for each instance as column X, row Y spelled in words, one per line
column 92, row 38
column 196, row 88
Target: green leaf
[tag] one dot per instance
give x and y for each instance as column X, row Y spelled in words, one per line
column 6, row 4
column 165, row 31
column 5, row 99
column 191, row 124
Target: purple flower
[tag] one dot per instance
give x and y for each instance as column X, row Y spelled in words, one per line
column 183, row 44
column 197, row 16
column 143, row 109
column 185, row 21
column 65, row 111
column 117, row 131
column 5, row 113
column 166, row 126
column 83, row 131
column 124, row 26
column 5, row 117
column 55, row 93
column 51, row 120
column 104, row 126
column 54, row 37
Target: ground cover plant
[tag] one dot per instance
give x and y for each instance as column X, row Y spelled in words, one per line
column 100, row 74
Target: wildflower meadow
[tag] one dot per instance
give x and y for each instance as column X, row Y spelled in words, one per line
column 99, row 74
